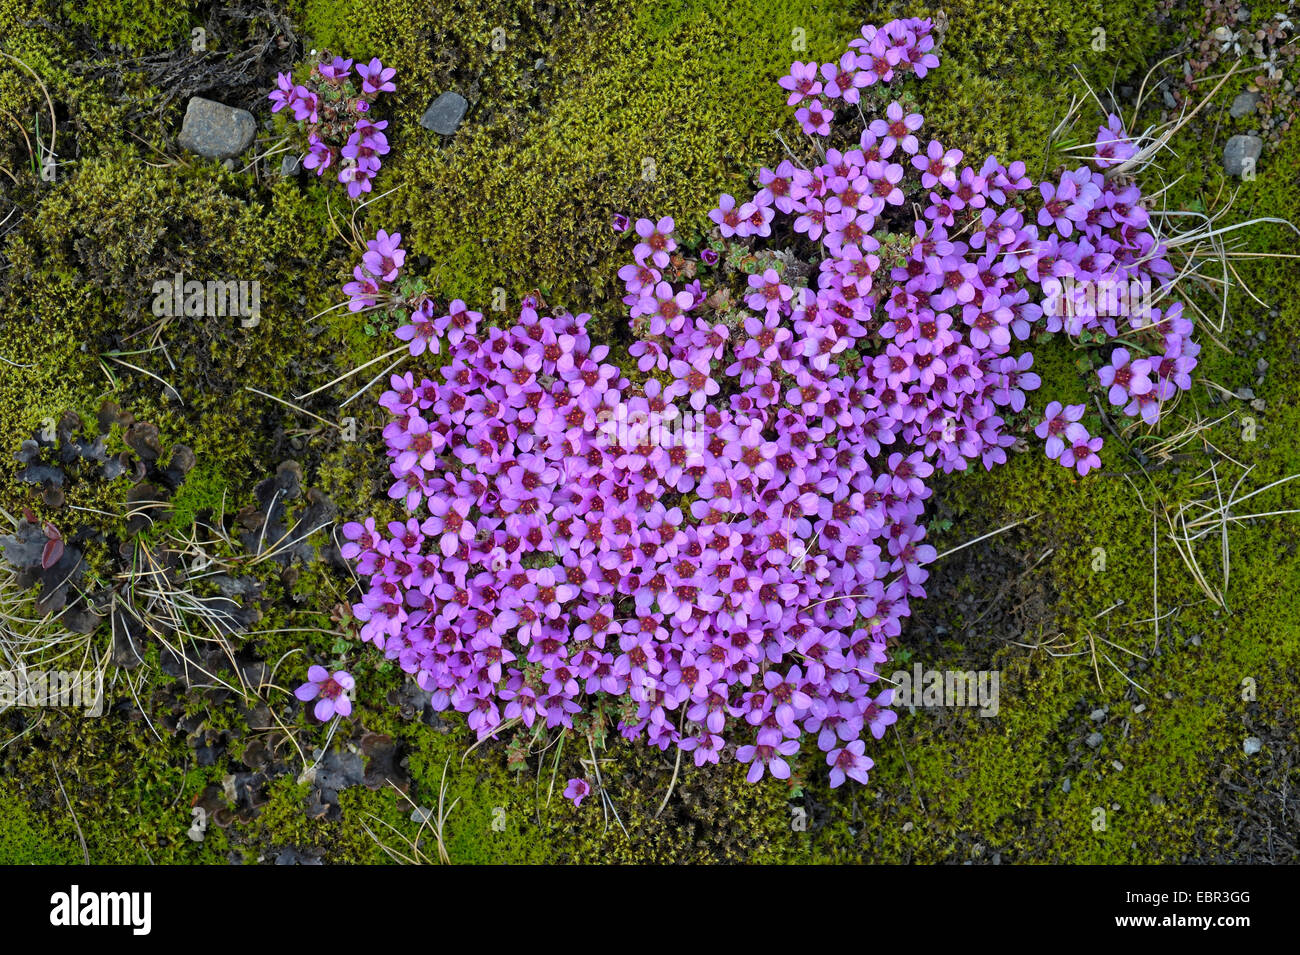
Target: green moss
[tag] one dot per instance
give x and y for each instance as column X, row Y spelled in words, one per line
column 79, row 339
column 138, row 25
column 25, row 838
column 1008, row 71
column 205, row 489
column 651, row 114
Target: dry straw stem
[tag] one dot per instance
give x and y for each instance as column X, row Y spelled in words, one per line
column 1193, row 520
column 412, row 852
column 49, row 102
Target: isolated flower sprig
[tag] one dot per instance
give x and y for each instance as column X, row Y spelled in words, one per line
column 329, row 690
column 335, row 107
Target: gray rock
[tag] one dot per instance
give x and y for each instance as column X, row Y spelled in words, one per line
column 1241, row 153
column 1243, row 104
column 1094, row 739
column 215, row 130
column 290, row 165
column 1252, row 745
column 445, row 113
column 1097, row 715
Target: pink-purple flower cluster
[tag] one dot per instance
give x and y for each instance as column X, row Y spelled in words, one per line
column 336, row 107
column 899, row 48
column 733, row 582
column 1097, row 263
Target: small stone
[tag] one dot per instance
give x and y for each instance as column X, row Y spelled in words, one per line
column 1065, row 784
column 1261, row 366
column 1252, row 745
column 1094, row 740
column 1245, row 393
column 1097, row 715
column 1259, row 404
column 1119, row 767
column 215, row 130
column 907, row 827
column 1243, row 104
column 1168, row 97
column 290, row 165
column 421, row 816
column 1242, row 152
column 1140, row 708
column 445, row 113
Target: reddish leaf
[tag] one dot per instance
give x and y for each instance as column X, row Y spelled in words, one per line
column 51, row 554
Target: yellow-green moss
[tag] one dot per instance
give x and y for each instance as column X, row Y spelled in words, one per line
column 137, row 25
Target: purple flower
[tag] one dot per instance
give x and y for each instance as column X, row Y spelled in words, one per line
column 384, row 256
column 577, row 790
column 1067, row 204
column 897, row 129
column 848, row 762
column 769, row 293
column 336, row 70
column 1081, row 453
column 656, row 241
column 802, row 82
column 1125, row 377
column 283, row 95
column 363, row 292
column 937, row 166
column 768, row 754
column 319, row 156
column 620, row 222
column 815, row 119
column 332, row 690
column 877, row 716
column 375, row 77
column 1113, row 145
column 1060, row 426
